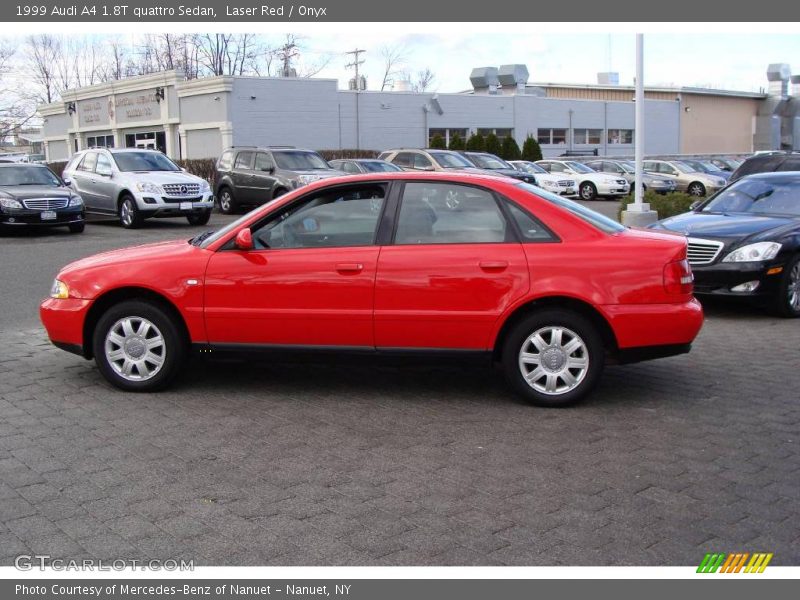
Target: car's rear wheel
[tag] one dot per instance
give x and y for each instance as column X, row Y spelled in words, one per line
column 199, row 218
column 787, row 300
column 553, row 357
column 227, row 203
column 138, row 347
column 76, row 227
column 588, row 191
column 129, row 215
column 696, row 189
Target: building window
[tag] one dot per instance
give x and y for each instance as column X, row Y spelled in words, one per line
column 552, row 136
column 587, row 136
column 500, row 132
column 100, row 141
column 447, row 134
column 147, row 140
column 620, row 136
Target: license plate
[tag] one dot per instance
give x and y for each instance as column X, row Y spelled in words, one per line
column 186, row 206
column 48, row 215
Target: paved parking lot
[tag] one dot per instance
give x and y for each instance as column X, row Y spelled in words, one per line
column 369, row 464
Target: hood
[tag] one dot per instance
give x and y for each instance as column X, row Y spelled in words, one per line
column 27, row 192
column 162, row 177
column 724, row 226
column 512, row 173
column 131, row 254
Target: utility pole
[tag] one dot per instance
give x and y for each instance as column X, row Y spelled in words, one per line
column 355, row 64
column 286, row 53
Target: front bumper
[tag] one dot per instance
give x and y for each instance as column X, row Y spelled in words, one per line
column 561, row 191
column 153, row 205
column 615, row 189
column 719, row 279
column 63, row 320
column 16, row 217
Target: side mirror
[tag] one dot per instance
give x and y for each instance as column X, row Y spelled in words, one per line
column 244, row 240
column 67, row 181
column 184, row 169
column 269, row 170
column 695, row 204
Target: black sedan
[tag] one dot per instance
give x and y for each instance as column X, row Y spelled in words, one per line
column 32, row 195
column 745, row 241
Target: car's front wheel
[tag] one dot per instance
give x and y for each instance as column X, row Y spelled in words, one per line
column 199, row 218
column 129, row 215
column 787, row 299
column 553, row 357
column 588, row 191
column 138, row 347
column 76, row 227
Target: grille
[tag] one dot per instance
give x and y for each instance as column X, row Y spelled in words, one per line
column 45, row 203
column 565, row 183
column 176, row 200
column 703, row 252
column 181, row 189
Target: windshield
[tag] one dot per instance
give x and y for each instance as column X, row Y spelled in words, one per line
column 143, row 161
column 450, row 160
column 379, row 166
column 488, row 161
column 758, row 196
column 683, row 167
column 628, row 167
column 579, row 168
column 299, row 160
column 529, row 168
column 28, row 176
column 599, row 221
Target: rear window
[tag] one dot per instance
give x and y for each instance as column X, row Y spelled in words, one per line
column 595, row 219
column 791, row 164
column 759, row 164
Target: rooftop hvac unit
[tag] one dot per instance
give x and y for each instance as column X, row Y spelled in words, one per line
column 485, row 78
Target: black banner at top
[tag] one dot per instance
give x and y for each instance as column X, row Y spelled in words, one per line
column 265, row 11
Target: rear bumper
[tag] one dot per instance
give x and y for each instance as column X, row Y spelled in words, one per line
column 63, row 320
column 642, row 328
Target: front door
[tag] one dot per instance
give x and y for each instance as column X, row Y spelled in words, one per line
column 453, row 269
column 263, row 178
column 309, row 281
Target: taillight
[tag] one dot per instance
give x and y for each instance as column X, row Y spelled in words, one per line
column 678, row 278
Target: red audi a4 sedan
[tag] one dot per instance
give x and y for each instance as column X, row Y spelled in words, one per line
column 390, row 263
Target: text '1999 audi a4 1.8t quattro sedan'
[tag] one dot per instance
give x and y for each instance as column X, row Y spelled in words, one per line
column 391, row 263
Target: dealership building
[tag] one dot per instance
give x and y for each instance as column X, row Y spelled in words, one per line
column 198, row 118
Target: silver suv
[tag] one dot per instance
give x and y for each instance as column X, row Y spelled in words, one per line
column 136, row 184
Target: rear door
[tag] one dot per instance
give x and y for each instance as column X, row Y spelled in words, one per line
column 453, row 268
column 83, row 181
column 104, row 186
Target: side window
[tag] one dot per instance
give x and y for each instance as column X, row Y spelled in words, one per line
column 349, row 167
column 103, row 165
column 404, row 159
column 225, row 161
column 264, row 162
column 421, row 162
column 530, row 228
column 89, row 162
column 328, row 219
column 446, row 213
column 649, row 166
column 557, row 168
column 596, row 165
column 791, row 164
column 546, row 166
column 244, row 161
column 610, row 167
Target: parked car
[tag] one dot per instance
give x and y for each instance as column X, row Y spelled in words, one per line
column 496, row 165
column 626, row 169
column 136, row 184
column 431, row 159
column 744, row 242
column 250, row 176
column 707, row 167
column 686, row 178
column 32, row 195
column 768, row 162
column 363, row 165
column 726, row 164
column 541, row 178
column 428, row 263
column 591, row 184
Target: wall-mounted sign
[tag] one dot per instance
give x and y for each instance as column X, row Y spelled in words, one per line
column 92, row 112
column 136, row 106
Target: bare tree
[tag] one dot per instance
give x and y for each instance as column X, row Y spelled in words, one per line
column 393, row 58
column 44, row 52
column 424, row 80
column 15, row 109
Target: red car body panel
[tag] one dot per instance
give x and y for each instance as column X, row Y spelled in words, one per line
column 453, row 296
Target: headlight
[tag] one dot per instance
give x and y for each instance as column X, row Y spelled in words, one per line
column 306, row 179
column 150, row 188
column 59, row 290
column 757, row 252
column 10, row 203
column 610, row 181
column 657, row 183
column 75, row 201
column 205, row 186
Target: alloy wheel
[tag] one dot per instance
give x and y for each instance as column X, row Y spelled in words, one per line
column 135, row 348
column 554, row 360
column 793, row 288
column 126, row 213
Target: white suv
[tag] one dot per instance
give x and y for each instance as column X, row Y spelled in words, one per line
column 137, row 184
column 591, row 184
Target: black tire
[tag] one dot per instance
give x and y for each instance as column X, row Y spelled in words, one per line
column 226, row 201
column 573, row 326
column 199, row 218
column 587, row 191
column 130, row 217
column 279, row 192
column 696, row 189
column 172, row 351
column 787, row 298
column 76, row 227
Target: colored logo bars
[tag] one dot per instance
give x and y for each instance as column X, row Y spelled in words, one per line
column 734, row 563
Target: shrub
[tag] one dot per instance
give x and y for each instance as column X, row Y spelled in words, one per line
column 202, row 167
column 438, row 142
column 510, row 149
column 57, row 167
column 476, row 143
column 493, row 145
column 457, row 142
column 667, row 205
column 531, row 150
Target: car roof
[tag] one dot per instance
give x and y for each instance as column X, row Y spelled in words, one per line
column 769, row 175
column 456, row 177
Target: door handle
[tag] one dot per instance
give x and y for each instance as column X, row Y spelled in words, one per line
column 493, row 265
column 349, row 267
